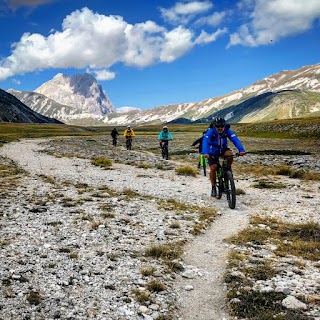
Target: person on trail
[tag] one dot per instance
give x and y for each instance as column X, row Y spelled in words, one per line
column 128, row 133
column 114, row 134
column 199, row 142
column 215, row 145
column 164, row 137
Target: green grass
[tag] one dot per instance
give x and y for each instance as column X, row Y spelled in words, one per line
column 304, row 128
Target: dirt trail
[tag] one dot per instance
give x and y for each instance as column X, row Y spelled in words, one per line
column 206, row 255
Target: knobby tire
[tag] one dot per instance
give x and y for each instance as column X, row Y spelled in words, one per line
column 220, row 188
column 230, row 189
column 165, row 152
column 129, row 144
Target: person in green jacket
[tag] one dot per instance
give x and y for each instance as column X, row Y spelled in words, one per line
column 164, row 137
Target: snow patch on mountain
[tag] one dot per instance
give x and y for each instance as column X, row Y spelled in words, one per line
column 127, row 109
column 80, row 91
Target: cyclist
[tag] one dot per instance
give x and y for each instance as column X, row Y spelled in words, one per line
column 114, row 134
column 199, row 142
column 128, row 133
column 164, row 137
column 215, row 144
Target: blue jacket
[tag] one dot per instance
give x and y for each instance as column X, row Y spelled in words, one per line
column 213, row 142
column 165, row 135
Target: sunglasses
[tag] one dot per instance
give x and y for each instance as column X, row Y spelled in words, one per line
column 218, row 126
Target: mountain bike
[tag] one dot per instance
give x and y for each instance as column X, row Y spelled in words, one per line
column 165, row 149
column 114, row 141
column 203, row 163
column 129, row 143
column 225, row 182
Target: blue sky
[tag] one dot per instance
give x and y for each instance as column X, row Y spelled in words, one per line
column 148, row 53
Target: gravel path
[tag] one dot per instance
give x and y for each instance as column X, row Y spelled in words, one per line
column 201, row 295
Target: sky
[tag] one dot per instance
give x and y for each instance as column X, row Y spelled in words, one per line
column 149, row 53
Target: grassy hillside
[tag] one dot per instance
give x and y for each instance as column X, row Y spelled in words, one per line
column 302, row 128
column 305, row 128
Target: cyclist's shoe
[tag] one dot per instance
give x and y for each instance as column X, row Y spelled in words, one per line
column 214, row 192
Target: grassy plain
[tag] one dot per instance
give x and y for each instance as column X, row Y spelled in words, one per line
column 282, row 129
column 276, row 138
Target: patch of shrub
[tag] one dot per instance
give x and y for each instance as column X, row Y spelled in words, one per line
column 186, row 171
column 102, row 162
column 264, row 184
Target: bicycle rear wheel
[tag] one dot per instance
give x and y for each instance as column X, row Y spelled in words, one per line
column 230, row 189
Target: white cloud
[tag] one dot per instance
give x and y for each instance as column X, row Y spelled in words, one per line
column 275, row 19
column 103, row 75
column 213, row 20
column 205, row 37
column 144, row 42
column 177, row 43
column 182, row 13
column 95, row 41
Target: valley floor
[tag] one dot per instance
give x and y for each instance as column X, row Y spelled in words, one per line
column 75, row 238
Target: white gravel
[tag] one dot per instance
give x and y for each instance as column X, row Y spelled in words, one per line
column 201, row 296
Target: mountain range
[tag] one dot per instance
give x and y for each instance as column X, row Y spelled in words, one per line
column 81, row 100
column 13, row 110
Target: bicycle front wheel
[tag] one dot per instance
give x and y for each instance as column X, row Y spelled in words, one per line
column 220, row 188
column 128, row 143
column 230, row 189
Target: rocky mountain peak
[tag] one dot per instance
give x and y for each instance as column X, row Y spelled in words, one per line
column 80, row 91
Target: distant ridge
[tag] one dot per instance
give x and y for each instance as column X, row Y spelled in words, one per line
column 13, row 110
column 285, row 95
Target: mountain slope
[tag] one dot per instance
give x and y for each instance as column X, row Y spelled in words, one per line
column 304, row 85
column 268, row 106
column 287, row 94
column 50, row 108
column 13, row 110
column 80, row 91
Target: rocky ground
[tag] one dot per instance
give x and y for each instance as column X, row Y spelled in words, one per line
column 136, row 241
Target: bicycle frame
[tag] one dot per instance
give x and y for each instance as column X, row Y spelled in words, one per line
column 203, row 164
column 129, row 143
column 165, row 149
column 225, row 182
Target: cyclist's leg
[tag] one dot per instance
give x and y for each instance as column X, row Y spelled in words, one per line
column 212, row 161
column 229, row 156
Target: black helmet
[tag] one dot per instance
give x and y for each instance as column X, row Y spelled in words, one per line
column 219, row 122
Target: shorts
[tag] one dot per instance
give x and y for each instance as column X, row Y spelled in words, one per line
column 214, row 158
